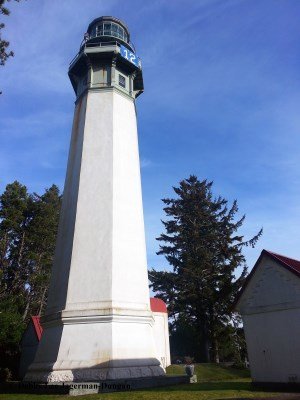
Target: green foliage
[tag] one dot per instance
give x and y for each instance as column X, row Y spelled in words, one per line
column 12, row 325
column 4, row 44
column 28, row 228
column 185, row 339
column 42, row 232
column 11, row 330
column 202, row 244
column 14, row 219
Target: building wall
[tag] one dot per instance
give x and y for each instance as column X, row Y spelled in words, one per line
column 161, row 338
column 29, row 346
column 270, row 308
column 273, row 345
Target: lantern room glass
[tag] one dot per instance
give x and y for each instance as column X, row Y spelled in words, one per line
column 110, row 29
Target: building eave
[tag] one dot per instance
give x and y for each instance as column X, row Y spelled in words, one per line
column 273, row 256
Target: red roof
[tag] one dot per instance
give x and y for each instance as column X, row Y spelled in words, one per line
column 37, row 326
column 158, row 305
column 290, row 264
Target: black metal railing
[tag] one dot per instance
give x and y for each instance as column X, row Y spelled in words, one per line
column 87, row 44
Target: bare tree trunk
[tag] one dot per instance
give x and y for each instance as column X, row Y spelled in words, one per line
column 206, row 349
column 204, row 342
column 21, row 249
column 216, row 350
column 16, row 280
column 42, row 302
column 3, row 259
column 26, row 308
column 3, row 253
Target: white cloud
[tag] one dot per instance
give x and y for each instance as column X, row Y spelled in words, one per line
column 144, row 162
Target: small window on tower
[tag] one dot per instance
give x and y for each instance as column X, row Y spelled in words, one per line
column 122, row 81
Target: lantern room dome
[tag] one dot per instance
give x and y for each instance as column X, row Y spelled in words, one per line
column 107, row 29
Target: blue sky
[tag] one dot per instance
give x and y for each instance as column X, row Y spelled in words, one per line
column 221, row 101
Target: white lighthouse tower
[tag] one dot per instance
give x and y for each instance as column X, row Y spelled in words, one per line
column 98, row 323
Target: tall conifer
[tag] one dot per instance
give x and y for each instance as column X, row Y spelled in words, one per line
column 202, row 244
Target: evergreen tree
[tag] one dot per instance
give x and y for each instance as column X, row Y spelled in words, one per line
column 28, row 228
column 204, row 248
column 15, row 216
column 14, row 219
column 40, row 251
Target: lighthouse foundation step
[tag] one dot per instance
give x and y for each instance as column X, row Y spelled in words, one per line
column 81, row 388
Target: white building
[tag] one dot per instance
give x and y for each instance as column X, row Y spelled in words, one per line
column 161, row 331
column 269, row 303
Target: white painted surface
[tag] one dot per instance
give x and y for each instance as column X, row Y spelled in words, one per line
column 161, row 338
column 99, row 320
column 270, row 308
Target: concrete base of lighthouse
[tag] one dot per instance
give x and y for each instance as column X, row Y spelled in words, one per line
column 96, row 348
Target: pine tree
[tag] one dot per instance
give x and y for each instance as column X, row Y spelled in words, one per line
column 204, row 248
column 15, row 216
column 14, row 219
column 28, row 228
column 42, row 232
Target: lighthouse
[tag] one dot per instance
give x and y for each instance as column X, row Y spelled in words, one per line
column 98, row 323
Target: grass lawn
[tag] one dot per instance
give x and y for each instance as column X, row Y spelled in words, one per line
column 212, row 372
column 214, row 382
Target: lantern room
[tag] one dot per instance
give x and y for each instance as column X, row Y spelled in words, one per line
column 107, row 59
column 109, row 29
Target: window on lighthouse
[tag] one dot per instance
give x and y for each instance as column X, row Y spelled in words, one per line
column 107, row 29
column 122, row 81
